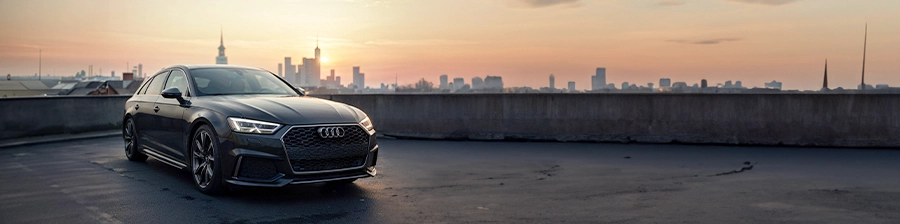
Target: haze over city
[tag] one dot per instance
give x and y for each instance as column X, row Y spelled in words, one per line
column 524, row 41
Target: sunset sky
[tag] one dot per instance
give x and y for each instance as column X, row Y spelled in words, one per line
column 524, row 41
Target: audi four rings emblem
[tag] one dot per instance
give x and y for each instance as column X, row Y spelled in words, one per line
column 331, row 132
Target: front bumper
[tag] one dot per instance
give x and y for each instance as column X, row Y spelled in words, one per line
column 261, row 161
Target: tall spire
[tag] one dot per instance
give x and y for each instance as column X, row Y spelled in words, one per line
column 221, row 59
column 825, row 82
column 862, row 85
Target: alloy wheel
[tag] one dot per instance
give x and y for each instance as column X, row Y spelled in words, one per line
column 203, row 158
column 129, row 137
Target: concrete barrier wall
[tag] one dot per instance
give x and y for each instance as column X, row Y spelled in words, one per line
column 859, row 120
column 35, row 116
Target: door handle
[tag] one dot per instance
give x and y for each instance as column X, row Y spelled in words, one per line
column 137, row 106
column 156, row 109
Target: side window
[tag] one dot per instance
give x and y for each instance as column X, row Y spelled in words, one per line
column 178, row 80
column 156, row 84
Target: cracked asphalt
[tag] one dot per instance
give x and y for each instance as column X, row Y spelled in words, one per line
column 90, row 181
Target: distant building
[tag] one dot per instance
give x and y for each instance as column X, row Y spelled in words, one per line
column 477, row 83
column 221, row 59
column 493, row 82
column 572, row 87
column 290, row 71
column 280, row 73
column 738, row 84
column 773, row 85
column 458, row 83
column 552, row 82
column 332, row 81
column 359, row 79
column 882, row 86
column 598, row 81
column 728, row 84
column 650, row 85
column 625, row 85
column 665, row 82
column 140, row 70
column 680, row 85
column 306, row 74
column 444, row 81
column 703, row 83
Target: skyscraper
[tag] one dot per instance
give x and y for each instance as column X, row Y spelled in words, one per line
column 140, row 70
column 289, row 71
column 552, row 80
column 280, row 74
column 221, row 59
column 443, row 84
column 572, row 87
column 598, row 81
column 359, row 79
column 703, row 83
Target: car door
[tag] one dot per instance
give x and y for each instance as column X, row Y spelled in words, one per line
column 149, row 123
column 134, row 106
column 172, row 125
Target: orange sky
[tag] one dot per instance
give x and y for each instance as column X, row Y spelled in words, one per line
column 524, row 41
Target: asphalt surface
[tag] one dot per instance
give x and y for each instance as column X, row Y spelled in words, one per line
column 90, row 181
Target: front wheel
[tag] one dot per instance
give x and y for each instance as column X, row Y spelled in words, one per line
column 131, row 143
column 205, row 163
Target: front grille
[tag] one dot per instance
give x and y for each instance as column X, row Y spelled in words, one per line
column 308, row 151
column 256, row 168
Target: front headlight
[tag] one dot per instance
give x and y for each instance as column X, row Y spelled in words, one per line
column 251, row 126
column 367, row 124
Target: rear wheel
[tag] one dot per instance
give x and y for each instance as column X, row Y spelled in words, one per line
column 205, row 164
column 131, row 143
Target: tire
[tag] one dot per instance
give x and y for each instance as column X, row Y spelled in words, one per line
column 132, row 150
column 206, row 165
column 341, row 182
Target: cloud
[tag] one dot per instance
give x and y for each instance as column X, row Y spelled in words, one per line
column 706, row 41
column 423, row 42
column 671, row 3
column 766, row 2
column 546, row 3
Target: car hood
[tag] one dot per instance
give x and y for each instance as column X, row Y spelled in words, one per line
column 289, row 110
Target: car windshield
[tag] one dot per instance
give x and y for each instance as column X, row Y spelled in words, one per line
column 238, row 81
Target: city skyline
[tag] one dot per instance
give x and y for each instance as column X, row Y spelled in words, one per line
column 522, row 42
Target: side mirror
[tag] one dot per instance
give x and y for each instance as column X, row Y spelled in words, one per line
column 175, row 93
column 171, row 93
column 301, row 90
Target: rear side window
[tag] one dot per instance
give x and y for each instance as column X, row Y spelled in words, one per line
column 156, row 84
column 143, row 87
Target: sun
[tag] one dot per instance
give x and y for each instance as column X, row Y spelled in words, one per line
column 324, row 60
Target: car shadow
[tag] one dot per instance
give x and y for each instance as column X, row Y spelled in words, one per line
column 303, row 193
